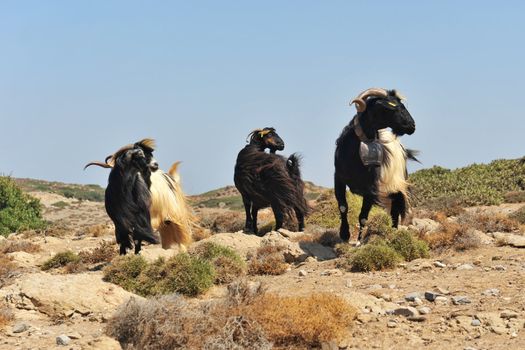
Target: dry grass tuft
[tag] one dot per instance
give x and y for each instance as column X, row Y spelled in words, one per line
column 201, row 233
column 6, row 316
column 98, row 230
column 7, row 268
column 488, row 222
column 451, row 234
column 104, row 253
column 268, row 260
column 19, row 246
column 222, row 221
column 302, row 321
column 374, row 256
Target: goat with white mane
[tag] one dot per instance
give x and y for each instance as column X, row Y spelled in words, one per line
column 169, row 211
column 370, row 160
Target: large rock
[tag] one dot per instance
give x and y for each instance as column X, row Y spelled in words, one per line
column 510, row 239
column 424, row 225
column 85, row 294
column 292, row 251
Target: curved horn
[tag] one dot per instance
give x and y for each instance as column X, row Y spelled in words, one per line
column 360, row 100
column 100, row 164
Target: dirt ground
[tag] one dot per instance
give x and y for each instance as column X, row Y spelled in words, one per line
column 490, row 278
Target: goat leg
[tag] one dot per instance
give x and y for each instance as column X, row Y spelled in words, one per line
column 340, row 195
column 255, row 211
column 363, row 215
column 248, row 226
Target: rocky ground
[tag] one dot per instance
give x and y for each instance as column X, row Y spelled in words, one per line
column 457, row 300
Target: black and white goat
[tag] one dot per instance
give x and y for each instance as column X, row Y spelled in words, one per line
column 366, row 138
column 267, row 179
column 169, row 211
column 128, row 199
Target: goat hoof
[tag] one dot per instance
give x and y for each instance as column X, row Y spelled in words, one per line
column 358, row 243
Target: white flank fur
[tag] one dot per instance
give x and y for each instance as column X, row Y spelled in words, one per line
column 392, row 178
column 170, row 214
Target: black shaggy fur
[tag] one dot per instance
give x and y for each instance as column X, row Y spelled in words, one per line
column 380, row 113
column 128, row 200
column 266, row 179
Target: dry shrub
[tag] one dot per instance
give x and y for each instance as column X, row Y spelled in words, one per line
column 488, row 222
column 450, row 206
column 124, row 271
column 268, row 260
column 98, row 230
column 519, row 215
column 515, row 197
column 7, row 268
column 327, row 238
column 200, row 233
column 61, row 259
column 378, row 226
column 302, row 321
column 169, row 322
column 6, row 315
column 451, row 235
column 247, row 319
column 227, row 263
column 104, row 253
column 19, row 246
column 57, row 229
column 222, row 221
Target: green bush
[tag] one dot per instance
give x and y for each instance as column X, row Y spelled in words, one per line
column 60, row 259
column 408, row 245
column 125, row 270
column 476, row 184
column 227, row 263
column 182, row 273
column 18, row 210
column 373, row 257
column 188, row 275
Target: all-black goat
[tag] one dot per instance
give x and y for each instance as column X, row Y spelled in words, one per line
column 383, row 180
column 267, row 179
column 128, row 198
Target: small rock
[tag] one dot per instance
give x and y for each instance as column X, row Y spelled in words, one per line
column 348, row 284
column 332, row 345
column 439, row 264
column 498, row 329
column 442, row 290
column 460, row 300
column 418, row 301
column 441, row 300
column 424, row 310
column 375, row 286
column 63, row 340
column 412, row 296
column 499, row 268
column 20, row 328
column 407, row 311
column 332, row 272
column 469, row 348
column 475, row 322
column 465, row 267
column 417, row 318
column 302, row 273
column 431, row 296
column 74, row 335
column 391, row 324
column 494, row 292
column 508, row 314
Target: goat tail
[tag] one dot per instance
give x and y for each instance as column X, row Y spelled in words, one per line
column 174, row 171
column 412, row 154
column 293, row 165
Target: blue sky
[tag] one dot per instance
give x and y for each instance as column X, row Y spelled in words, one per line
column 80, row 79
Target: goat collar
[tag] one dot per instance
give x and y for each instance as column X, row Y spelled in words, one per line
column 359, row 130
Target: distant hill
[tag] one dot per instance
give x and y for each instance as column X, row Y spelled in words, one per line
column 229, row 197
column 82, row 192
